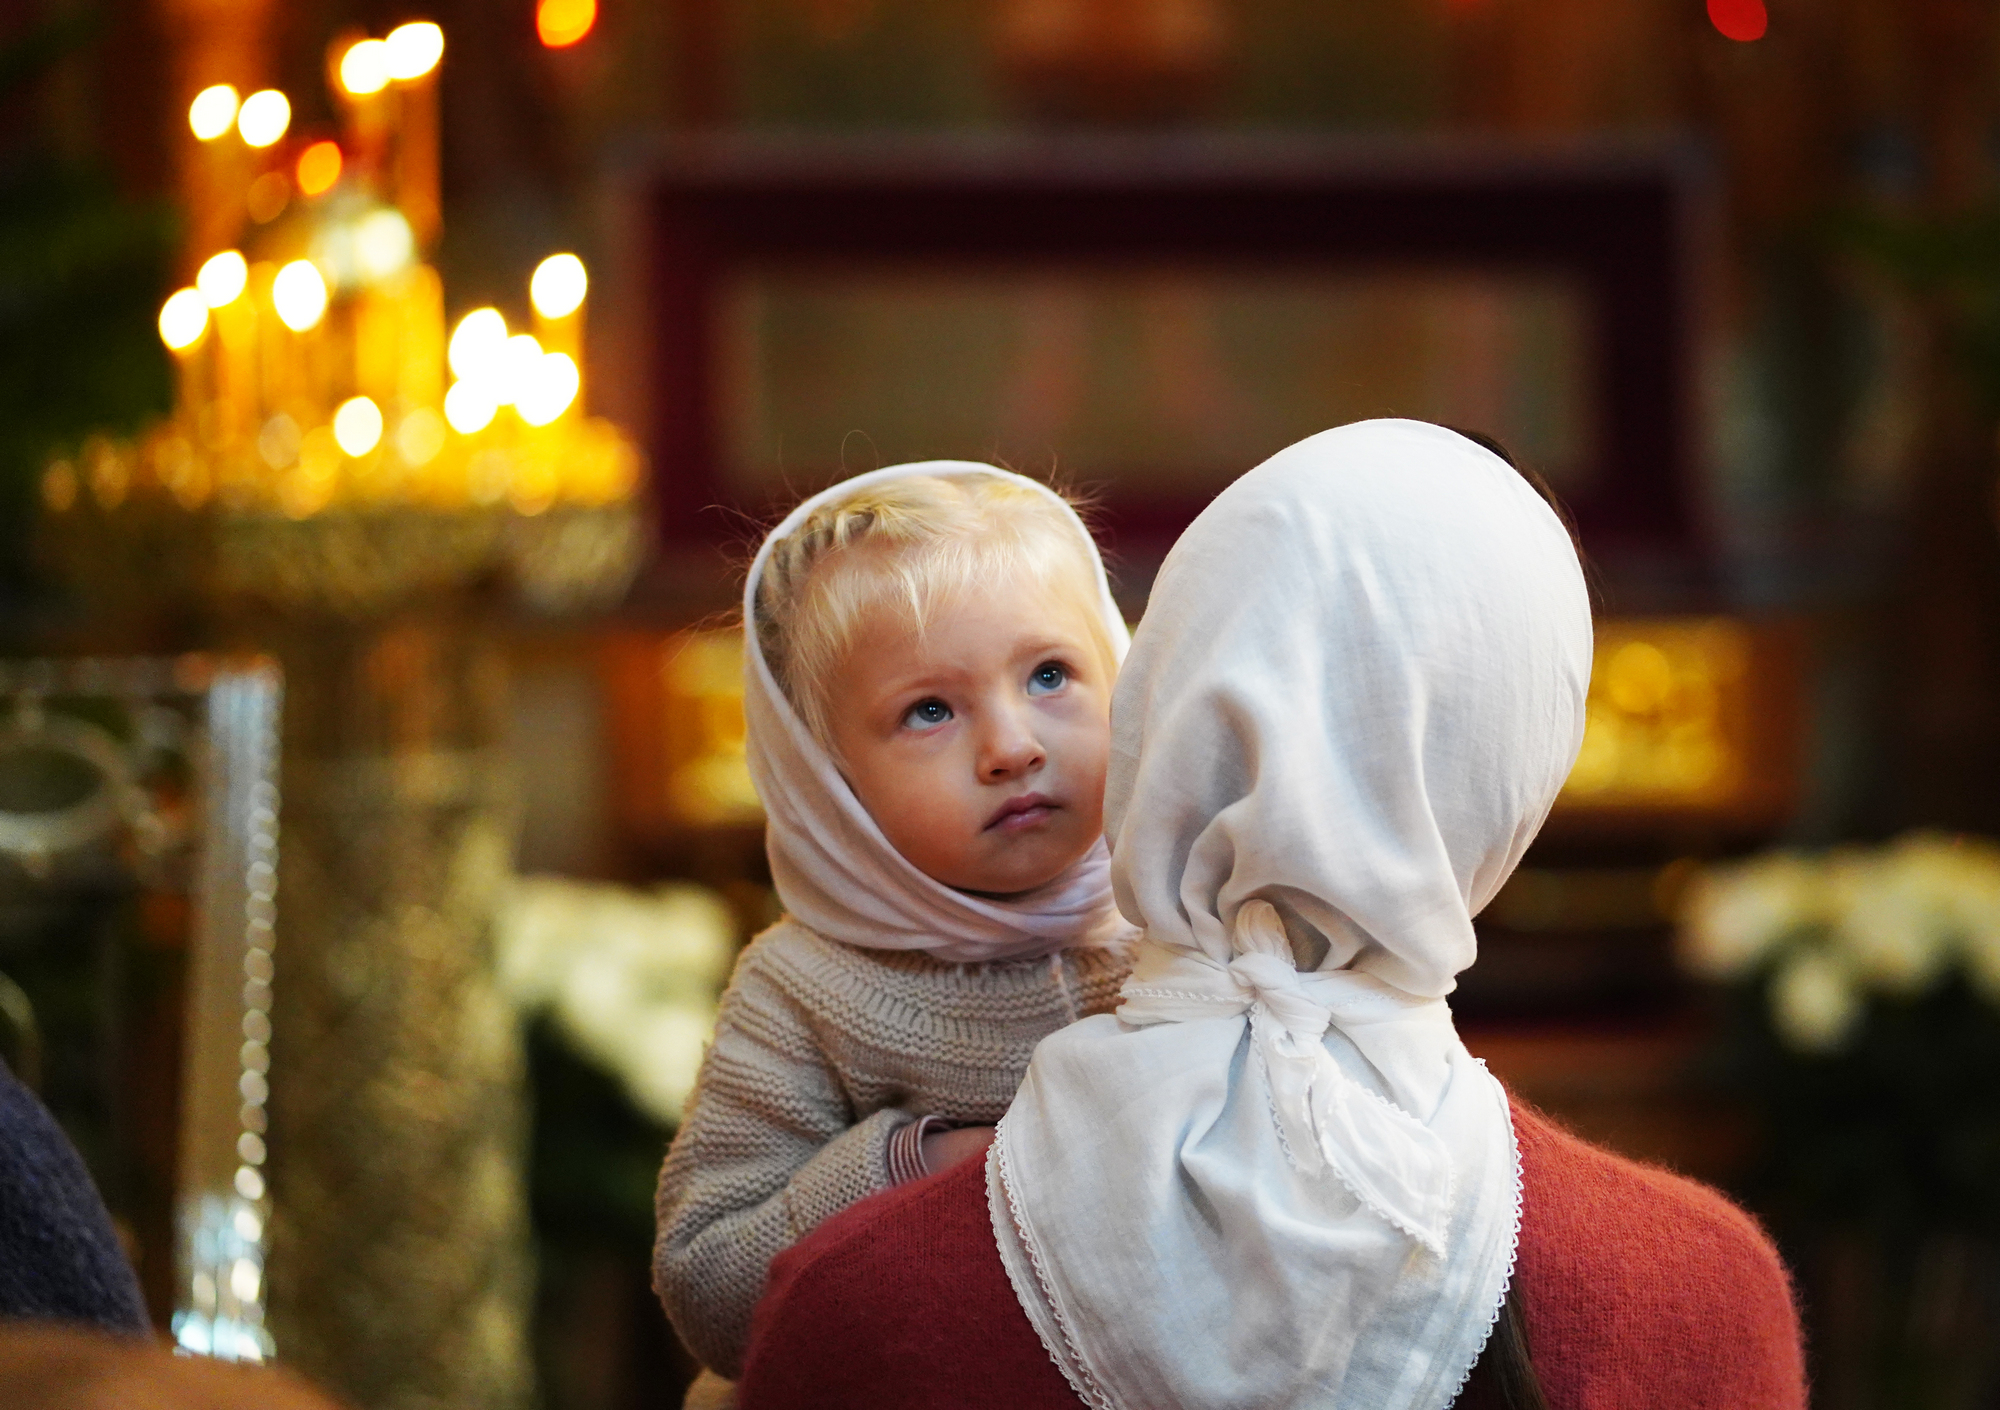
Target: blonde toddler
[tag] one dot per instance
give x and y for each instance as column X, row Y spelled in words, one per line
column 930, row 651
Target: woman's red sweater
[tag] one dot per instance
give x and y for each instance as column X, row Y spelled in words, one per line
column 1641, row 1289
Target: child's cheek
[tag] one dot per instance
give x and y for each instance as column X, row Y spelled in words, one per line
column 932, row 785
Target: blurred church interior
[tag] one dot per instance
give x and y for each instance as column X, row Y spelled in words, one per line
column 393, row 394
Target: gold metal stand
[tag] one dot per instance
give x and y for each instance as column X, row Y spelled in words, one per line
column 399, row 1241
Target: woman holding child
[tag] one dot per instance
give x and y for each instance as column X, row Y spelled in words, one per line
column 1274, row 1176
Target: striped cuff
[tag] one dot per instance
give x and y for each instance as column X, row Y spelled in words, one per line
column 905, row 1151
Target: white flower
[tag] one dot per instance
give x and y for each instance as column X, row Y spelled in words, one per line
column 631, row 977
column 1814, row 1005
column 535, row 929
column 1896, row 923
column 597, row 1004
column 1732, row 917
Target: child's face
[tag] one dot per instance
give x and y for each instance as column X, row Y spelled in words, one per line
column 979, row 746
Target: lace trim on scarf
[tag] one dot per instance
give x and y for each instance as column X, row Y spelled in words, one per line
column 1513, row 1245
column 1073, row 1369
column 1451, row 1188
column 1271, row 1105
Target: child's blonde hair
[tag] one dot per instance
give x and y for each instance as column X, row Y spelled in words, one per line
column 912, row 545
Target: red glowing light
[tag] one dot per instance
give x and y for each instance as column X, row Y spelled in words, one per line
column 1741, row 20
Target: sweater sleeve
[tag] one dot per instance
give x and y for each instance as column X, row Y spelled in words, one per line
column 767, row 1149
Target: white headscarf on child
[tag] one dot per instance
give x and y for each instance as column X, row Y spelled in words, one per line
column 1358, row 686
column 835, row 872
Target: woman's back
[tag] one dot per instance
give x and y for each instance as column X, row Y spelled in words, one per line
column 1642, row 1289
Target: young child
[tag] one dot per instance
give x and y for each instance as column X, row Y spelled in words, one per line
column 929, row 657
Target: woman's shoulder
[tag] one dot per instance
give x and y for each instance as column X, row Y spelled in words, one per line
column 900, row 1300
column 1629, row 1204
column 1643, row 1279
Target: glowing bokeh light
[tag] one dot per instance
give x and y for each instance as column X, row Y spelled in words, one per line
column 1741, row 20
column 469, row 407
column 364, row 68
column 559, row 285
column 222, row 278
column 519, row 362
column 278, row 441
column 267, row 197
column 419, row 436
column 383, row 244
column 212, row 112
column 357, row 425
column 477, row 345
column 413, row 50
column 319, row 167
column 561, row 23
column 299, row 293
column 549, row 389
column 264, row 117
column 183, row 319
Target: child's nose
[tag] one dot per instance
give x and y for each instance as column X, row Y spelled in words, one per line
column 1011, row 750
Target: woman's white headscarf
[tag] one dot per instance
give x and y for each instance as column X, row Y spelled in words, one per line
column 834, row 870
column 1358, row 686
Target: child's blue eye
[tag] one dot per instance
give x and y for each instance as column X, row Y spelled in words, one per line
column 1048, row 678
column 927, row 714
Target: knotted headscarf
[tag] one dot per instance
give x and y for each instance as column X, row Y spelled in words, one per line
column 834, row 870
column 1276, row 1177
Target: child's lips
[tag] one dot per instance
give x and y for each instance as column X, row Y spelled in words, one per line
column 1020, row 814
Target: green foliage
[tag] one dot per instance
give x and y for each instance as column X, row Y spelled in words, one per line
column 1898, row 1128
column 82, row 270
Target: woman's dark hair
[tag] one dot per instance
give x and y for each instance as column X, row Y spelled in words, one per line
column 1503, row 1378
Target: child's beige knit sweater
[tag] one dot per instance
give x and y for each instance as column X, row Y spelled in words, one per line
column 822, row 1050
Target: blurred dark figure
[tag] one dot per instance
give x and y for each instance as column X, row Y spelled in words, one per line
column 59, row 1259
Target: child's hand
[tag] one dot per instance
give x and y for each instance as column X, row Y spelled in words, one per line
column 944, row 1149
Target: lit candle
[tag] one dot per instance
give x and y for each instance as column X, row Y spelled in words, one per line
column 411, row 55
column 420, row 371
column 557, row 291
column 184, row 329
column 238, row 390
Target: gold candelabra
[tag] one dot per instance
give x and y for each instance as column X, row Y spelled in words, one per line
column 344, row 481
column 332, row 444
